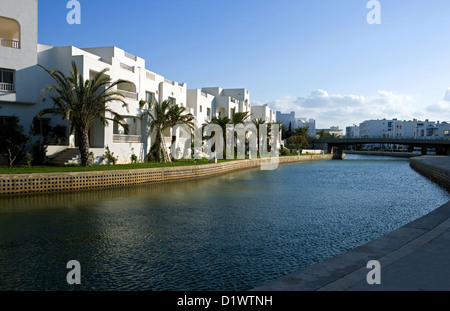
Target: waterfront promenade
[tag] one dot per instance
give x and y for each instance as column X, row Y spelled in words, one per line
column 414, row 257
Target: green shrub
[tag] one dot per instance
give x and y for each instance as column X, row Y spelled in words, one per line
column 109, row 156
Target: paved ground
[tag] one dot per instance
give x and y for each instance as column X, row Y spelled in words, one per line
column 415, row 257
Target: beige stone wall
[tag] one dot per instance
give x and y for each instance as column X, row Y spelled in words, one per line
column 430, row 169
column 21, row 184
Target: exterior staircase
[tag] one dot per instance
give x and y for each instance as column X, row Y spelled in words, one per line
column 68, row 156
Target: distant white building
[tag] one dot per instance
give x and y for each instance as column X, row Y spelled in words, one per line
column 334, row 130
column 432, row 130
column 443, row 130
column 376, row 128
column 400, row 129
column 264, row 113
column 290, row 121
column 352, row 131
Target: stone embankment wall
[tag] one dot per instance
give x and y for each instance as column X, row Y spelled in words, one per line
column 381, row 153
column 437, row 168
column 22, row 184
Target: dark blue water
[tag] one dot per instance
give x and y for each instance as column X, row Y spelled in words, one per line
column 232, row 232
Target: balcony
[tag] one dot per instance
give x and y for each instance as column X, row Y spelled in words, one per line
column 119, row 139
column 7, row 88
column 9, row 32
column 10, row 43
column 130, row 95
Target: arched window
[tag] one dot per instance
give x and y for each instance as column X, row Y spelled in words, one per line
column 9, row 33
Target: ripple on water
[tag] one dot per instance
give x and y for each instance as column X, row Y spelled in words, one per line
column 232, row 232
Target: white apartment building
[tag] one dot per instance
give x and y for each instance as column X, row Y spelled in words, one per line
column 228, row 101
column 397, row 129
column 401, row 129
column 352, row 131
column 202, row 105
column 290, row 121
column 432, row 130
column 263, row 113
column 21, row 82
column 376, row 128
column 443, row 129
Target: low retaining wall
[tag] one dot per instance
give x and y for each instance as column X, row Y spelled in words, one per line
column 437, row 168
column 21, row 184
column 386, row 154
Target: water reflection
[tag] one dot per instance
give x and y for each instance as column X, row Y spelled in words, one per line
column 231, row 232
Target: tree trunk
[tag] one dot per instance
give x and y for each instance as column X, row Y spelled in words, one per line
column 165, row 151
column 11, row 158
column 83, row 146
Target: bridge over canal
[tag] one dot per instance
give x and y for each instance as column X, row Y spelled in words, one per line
column 441, row 145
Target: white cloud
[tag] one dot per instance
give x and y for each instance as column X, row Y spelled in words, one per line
column 447, row 95
column 347, row 109
column 441, row 108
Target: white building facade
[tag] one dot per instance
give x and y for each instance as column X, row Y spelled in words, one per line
column 290, row 121
column 263, row 113
column 399, row 129
column 228, row 101
column 21, row 82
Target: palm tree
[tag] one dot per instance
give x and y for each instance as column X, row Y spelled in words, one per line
column 81, row 102
column 257, row 123
column 239, row 117
column 163, row 116
column 300, row 137
column 222, row 122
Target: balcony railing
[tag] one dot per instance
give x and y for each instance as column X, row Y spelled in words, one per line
column 126, row 67
column 7, row 87
column 118, row 139
column 127, row 94
column 130, row 56
column 10, row 43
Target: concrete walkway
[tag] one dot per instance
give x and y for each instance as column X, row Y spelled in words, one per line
column 415, row 257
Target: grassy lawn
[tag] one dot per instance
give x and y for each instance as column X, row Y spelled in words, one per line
column 76, row 168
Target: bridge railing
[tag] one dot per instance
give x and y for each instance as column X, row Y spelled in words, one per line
column 389, row 138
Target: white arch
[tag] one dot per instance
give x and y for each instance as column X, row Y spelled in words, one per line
column 9, row 29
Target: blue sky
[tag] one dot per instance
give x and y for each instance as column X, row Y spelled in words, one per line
column 319, row 58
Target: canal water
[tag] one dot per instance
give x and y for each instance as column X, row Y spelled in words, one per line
column 232, row 232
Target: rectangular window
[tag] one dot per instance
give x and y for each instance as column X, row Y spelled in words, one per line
column 7, row 81
column 6, row 122
column 208, row 112
column 7, row 76
column 150, row 97
column 172, row 101
column 201, row 108
column 41, row 127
